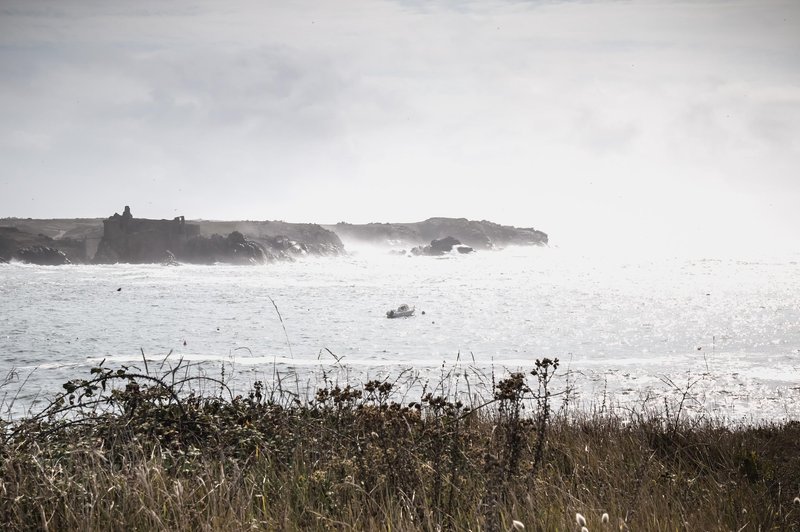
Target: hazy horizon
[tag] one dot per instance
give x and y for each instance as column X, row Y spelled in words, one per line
column 646, row 126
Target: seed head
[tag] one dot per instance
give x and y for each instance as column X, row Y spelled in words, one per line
column 517, row 525
column 580, row 520
column 584, row 529
column 604, row 519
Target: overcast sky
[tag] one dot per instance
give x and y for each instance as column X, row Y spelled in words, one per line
column 665, row 123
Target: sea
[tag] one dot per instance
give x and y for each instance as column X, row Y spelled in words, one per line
column 716, row 337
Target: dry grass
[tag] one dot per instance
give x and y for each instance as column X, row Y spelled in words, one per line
column 130, row 451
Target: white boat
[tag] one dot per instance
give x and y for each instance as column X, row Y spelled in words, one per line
column 403, row 311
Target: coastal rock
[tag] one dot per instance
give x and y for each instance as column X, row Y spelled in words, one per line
column 14, row 241
column 243, row 251
column 141, row 240
column 43, row 256
column 285, row 244
column 481, row 234
column 444, row 245
column 282, row 240
column 170, row 260
column 79, row 238
column 124, row 238
column 441, row 246
column 233, row 249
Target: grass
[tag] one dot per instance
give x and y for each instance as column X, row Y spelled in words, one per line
column 133, row 450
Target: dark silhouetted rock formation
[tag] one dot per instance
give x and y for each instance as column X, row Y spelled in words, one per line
column 123, row 238
column 444, row 245
column 77, row 237
column 43, row 256
column 281, row 240
column 39, row 249
column 440, row 247
column 139, row 240
column 233, row 249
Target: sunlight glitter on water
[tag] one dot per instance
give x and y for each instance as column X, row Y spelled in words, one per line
column 617, row 325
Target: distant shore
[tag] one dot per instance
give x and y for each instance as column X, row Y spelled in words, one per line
column 124, row 238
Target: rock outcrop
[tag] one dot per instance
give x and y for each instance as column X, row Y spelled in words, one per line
column 39, row 249
column 43, row 256
column 281, row 240
column 476, row 234
column 123, row 238
column 444, row 245
column 233, row 249
column 76, row 237
column 138, row 240
column 170, row 260
column 441, row 246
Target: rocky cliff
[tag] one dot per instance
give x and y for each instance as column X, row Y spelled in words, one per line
column 123, row 238
column 232, row 249
column 281, row 240
column 88, row 231
column 39, row 248
column 477, row 234
column 128, row 239
column 441, row 247
column 139, row 240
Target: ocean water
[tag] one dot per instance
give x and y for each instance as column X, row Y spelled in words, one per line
column 628, row 333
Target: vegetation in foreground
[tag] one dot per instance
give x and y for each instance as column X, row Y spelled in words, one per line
column 131, row 450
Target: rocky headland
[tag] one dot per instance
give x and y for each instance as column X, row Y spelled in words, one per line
column 476, row 234
column 37, row 248
column 281, row 240
column 123, row 238
column 139, row 240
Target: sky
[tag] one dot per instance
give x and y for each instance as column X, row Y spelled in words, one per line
column 620, row 125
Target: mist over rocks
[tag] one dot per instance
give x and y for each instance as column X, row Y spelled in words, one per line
column 481, row 234
column 124, row 238
column 281, row 240
column 441, row 246
column 139, row 240
column 444, row 245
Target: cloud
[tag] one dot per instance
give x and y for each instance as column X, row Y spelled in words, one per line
column 535, row 113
